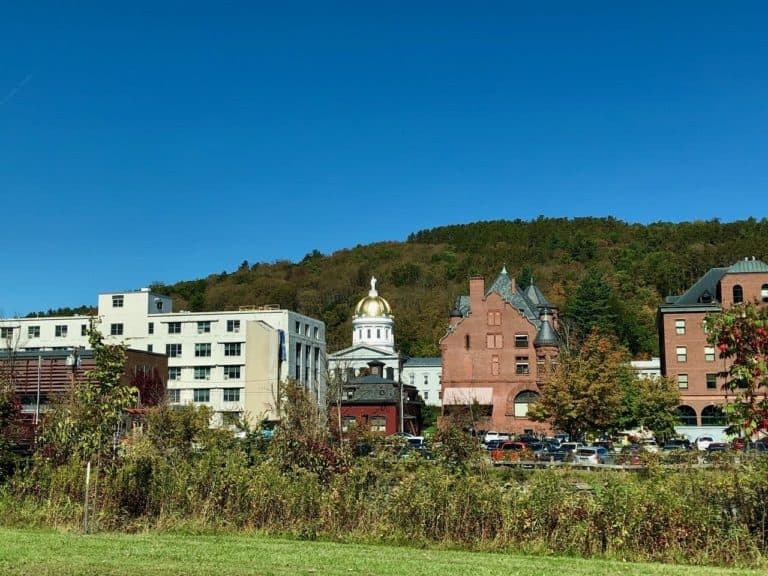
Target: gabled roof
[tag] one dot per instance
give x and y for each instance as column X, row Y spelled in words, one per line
column 372, row 349
column 696, row 294
column 514, row 297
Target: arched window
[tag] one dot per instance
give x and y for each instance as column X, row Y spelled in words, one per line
column 686, row 416
column 738, row 294
column 523, row 401
column 764, row 292
column 712, row 416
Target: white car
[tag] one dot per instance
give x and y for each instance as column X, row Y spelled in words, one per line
column 493, row 435
column 650, row 446
column 703, row 442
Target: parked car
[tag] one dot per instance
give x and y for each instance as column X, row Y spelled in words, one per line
column 630, row 454
column 511, row 452
column 676, row 444
column 493, row 435
column 494, row 444
column 649, row 445
column 570, row 447
column 703, row 442
column 551, row 453
column 717, row 447
column 593, row 455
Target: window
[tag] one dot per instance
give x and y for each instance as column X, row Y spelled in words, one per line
column 232, row 349
column 33, row 331
column 83, row 329
column 6, row 332
column 203, row 327
column 174, row 396
column 682, row 381
column 494, row 318
column 297, row 371
column 230, row 418
column 316, row 333
column 174, row 327
column 711, row 381
column 202, row 350
column 680, row 327
column 426, row 394
column 150, row 348
column 117, row 301
column 233, row 325
column 116, row 329
column 158, row 304
column 298, row 327
column 201, row 395
column 173, row 350
column 316, row 367
column 202, row 372
column 466, row 342
column 521, row 365
column 709, row 353
column 682, row 353
column 494, row 365
column 61, row 331
column 686, row 416
column 348, row 423
column 231, row 372
column 738, row 294
column 306, row 329
column 378, row 423
column 764, row 292
column 712, row 416
column 494, row 341
column 523, row 402
column 378, row 333
column 174, row 372
column 412, row 378
column 541, row 364
column 426, row 379
column 231, row 394
column 368, row 334
column 151, row 328
column 521, row 340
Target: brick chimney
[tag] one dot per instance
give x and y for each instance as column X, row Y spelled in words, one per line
column 476, row 292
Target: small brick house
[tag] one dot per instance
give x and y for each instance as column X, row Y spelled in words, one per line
column 501, row 343
column 374, row 402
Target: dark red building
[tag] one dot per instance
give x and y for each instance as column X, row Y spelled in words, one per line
column 38, row 377
column 376, row 403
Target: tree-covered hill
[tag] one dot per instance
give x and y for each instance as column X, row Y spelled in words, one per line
column 599, row 269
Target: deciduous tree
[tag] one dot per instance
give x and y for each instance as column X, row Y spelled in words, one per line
column 741, row 335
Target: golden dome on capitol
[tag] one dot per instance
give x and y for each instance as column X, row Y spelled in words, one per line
column 373, row 305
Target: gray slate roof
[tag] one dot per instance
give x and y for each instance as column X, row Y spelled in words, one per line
column 423, row 362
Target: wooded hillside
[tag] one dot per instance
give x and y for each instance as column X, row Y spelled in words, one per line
column 595, row 269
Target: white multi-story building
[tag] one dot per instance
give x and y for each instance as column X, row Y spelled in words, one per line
column 232, row 361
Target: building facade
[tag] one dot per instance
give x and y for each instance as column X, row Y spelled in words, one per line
column 39, row 377
column 500, row 345
column 686, row 356
column 231, row 361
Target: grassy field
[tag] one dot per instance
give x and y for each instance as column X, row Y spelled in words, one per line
column 47, row 553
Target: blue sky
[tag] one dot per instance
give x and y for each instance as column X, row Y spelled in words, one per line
column 159, row 141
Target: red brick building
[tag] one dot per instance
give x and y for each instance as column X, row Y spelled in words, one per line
column 38, row 377
column 686, row 356
column 375, row 403
column 500, row 344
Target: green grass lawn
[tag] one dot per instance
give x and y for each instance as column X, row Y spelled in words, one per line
column 46, row 553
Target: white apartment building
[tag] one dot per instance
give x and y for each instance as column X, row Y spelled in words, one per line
column 232, row 361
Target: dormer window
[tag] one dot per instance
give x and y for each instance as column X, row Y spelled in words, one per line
column 738, row 294
column 706, row 297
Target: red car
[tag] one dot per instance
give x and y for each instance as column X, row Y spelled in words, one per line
column 511, row 452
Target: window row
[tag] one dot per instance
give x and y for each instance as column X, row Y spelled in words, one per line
column 496, row 341
column 204, row 372
column 315, row 330
column 710, row 379
column 203, row 326
column 203, row 349
column 681, row 353
column 368, row 333
column 59, row 331
column 204, row 395
column 375, row 423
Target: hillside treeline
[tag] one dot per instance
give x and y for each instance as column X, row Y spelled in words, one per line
column 596, row 270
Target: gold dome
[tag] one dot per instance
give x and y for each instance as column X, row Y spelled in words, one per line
column 373, row 305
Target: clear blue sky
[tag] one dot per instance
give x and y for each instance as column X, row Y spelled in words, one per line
column 159, row 141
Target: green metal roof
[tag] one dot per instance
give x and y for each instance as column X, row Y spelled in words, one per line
column 748, row 265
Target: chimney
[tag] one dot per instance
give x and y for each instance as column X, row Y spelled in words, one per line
column 476, row 292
